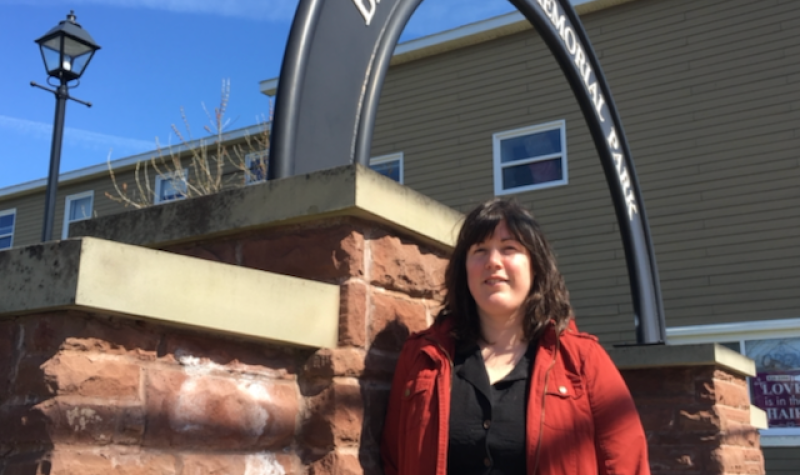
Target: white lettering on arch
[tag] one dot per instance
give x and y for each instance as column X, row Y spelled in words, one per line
column 367, row 9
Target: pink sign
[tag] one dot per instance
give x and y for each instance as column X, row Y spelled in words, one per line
column 778, row 394
column 776, row 387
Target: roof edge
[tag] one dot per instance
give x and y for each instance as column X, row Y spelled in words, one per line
column 122, row 163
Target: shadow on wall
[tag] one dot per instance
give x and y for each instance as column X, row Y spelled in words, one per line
column 379, row 367
column 25, row 442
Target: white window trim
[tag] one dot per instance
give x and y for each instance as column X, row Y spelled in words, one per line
column 67, row 203
column 6, row 212
column 392, row 157
column 248, row 159
column 741, row 332
column 498, row 165
column 168, row 176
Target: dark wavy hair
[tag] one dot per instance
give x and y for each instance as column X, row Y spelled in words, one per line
column 548, row 299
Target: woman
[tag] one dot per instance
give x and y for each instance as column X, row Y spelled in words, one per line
column 503, row 383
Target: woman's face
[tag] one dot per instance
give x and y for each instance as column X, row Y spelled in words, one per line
column 499, row 274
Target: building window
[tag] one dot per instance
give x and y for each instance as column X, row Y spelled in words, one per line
column 774, row 346
column 389, row 166
column 530, row 158
column 77, row 208
column 171, row 187
column 7, row 219
column 256, row 167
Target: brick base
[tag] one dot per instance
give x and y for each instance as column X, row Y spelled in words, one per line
column 697, row 421
column 90, row 393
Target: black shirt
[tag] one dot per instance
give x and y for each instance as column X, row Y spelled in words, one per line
column 487, row 421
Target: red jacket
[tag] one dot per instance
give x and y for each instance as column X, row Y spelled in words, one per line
column 581, row 419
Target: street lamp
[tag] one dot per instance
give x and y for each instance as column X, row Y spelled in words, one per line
column 66, row 51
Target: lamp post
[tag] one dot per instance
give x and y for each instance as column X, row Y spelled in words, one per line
column 66, row 51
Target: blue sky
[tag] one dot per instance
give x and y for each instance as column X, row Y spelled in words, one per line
column 157, row 56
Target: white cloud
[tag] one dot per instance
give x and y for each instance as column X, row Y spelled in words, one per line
column 86, row 139
column 271, row 10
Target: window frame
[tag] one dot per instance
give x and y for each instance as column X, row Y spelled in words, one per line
column 67, row 203
column 741, row 332
column 160, row 179
column 391, row 157
column 498, row 165
column 248, row 160
column 6, row 212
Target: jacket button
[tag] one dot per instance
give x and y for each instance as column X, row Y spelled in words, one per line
column 486, row 424
column 562, row 390
column 487, row 462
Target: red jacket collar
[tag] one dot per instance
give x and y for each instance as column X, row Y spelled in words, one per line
column 441, row 332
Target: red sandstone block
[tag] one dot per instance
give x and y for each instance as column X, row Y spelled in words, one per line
column 130, row 424
column 661, row 385
column 326, row 363
column 684, row 459
column 724, row 375
column 92, row 376
column 75, row 423
column 742, row 435
column 9, row 332
column 75, row 420
column 736, row 460
column 72, row 330
column 657, row 417
column 353, row 314
column 216, row 251
column 329, row 254
column 111, row 460
column 201, row 411
column 694, row 440
column 336, row 463
column 238, row 464
column 225, row 356
column 393, row 318
column 334, row 416
column 406, row 267
column 210, row 463
column 699, row 419
column 29, row 382
column 723, row 392
column 732, row 416
column 715, row 418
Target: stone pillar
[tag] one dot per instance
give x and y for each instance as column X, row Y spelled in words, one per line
column 390, row 286
column 107, row 365
column 695, row 408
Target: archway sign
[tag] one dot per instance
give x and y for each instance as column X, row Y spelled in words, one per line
column 332, row 74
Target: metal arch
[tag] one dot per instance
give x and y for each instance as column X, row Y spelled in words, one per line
column 329, row 88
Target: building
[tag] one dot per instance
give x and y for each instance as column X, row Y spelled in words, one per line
column 709, row 93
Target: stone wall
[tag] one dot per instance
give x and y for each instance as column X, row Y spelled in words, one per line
column 697, row 420
column 91, row 393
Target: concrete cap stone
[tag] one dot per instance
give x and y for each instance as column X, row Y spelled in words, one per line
column 348, row 191
column 659, row 356
column 118, row 279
